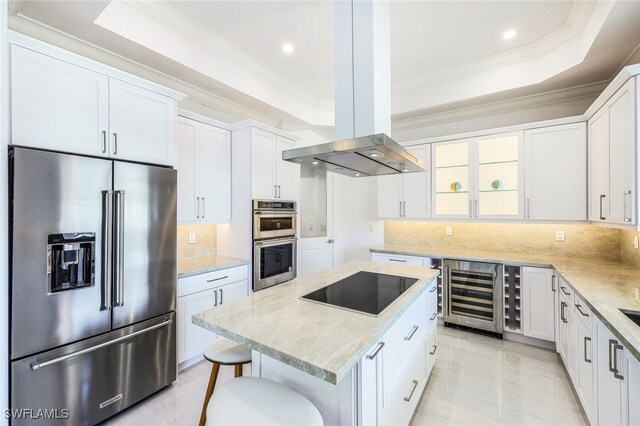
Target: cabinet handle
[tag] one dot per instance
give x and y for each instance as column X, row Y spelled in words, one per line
column 433, row 352
column 433, row 289
column 197, row 207
column 470, row 211
column 215, row 302
column 275, row 191
column 565, row 291
column 435, row 314
column 203, row 207
column 104, row 141
column 400, row 208
column 221, row 296
column 626, row 219
column 562, row 306
column 475, row 205
column 553, row 282
column 398, row 260
column 528, row 209
column 601, row 198
column 415, row 385
column 614, row 368
column 580, row 310
column 115, row 143
column 217, row 279
column 586, row 339
column 404, row 209
column 411, row 333
column 378, row 349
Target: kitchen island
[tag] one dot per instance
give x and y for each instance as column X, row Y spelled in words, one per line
column 356, row 368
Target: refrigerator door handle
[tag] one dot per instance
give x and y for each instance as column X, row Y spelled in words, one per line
column 118, row 252
column 35, row 365
column 107, row 249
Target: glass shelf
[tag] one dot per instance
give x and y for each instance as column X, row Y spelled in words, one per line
column 452, row 192
column 488, row 163
column 456, row 166
column 498, row 190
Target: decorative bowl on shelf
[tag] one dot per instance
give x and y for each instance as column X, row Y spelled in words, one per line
column 497, row 184
column 456, row 186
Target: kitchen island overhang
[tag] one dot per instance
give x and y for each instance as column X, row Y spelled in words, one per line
column 355, row 368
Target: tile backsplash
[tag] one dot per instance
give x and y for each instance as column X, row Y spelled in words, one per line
column 584, row 241
column 205, row 245
column 627, row 253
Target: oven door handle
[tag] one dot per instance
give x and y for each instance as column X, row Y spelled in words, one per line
column 275, row 242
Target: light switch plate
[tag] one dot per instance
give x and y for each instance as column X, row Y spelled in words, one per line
column 448, row 231
column 560, row 236
column 636, row 243
column 192, row 237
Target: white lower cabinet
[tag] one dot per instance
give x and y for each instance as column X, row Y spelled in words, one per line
column 538, row 299
column 399, row 259
column 612, row 379
column 396, row 369
column 199, row 293
column 584, row 377
column 633, row 389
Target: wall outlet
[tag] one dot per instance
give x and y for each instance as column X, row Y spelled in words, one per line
column 560, row 236
column 371, row 229
column 448, row 231
column 636, row 243
column 192, row 237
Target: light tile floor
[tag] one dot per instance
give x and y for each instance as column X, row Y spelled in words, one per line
column 476, row 380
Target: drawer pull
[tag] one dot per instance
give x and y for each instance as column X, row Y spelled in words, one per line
column 580, row 310
column 217, row 279
column 411, row 333
column 433, row 289
column 435, row 314
column 398, row 260
column 375, row 353
column 415, row 385
column 586, row 339
column 433, row 352
column 565, row 291
column 562, row 306
column 613, row 357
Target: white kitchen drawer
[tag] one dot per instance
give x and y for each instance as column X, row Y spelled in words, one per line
column 432, row 306
column 397, row 258
column 583, row 312
column 431, row 348
column 401, row 397
column 209, row 280
column 565, row 289
column 402, row 339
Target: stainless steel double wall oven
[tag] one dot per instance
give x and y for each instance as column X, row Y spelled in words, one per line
column 274, row 242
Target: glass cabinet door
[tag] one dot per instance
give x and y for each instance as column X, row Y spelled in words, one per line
column 499, row 176
column 451, row 183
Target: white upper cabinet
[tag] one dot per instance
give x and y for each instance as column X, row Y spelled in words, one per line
column 142, row 124
column 538, row 303
column 204, row 172
column 272, row 177
column 64, row 102
column 612, row 159
column 478, row 178
column 57, row 105
column 556, row 173
column 406, row 196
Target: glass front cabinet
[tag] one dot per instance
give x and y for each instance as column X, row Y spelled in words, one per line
column 479, row 178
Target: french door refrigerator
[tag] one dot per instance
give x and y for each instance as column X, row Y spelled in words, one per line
column 93, row 284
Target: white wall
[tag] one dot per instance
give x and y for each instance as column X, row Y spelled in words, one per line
column 4, row 246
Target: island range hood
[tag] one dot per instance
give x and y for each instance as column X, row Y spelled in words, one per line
column 363, row 99
column 372, row 155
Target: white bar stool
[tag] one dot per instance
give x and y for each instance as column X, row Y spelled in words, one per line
column 255, row 401
column 223, row 352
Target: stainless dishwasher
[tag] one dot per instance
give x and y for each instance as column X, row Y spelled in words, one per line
column 473, row 295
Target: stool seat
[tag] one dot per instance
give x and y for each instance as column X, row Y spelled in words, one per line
column 227, row 352
column 256, row 401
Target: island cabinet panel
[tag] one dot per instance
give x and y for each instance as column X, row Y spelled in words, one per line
column 612, row 378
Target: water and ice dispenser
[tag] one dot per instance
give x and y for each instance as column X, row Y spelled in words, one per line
column 70, row 261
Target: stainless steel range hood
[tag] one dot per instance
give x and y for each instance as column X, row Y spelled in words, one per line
column 372, row 155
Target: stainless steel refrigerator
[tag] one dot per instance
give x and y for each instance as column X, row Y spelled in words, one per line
column 93, row 284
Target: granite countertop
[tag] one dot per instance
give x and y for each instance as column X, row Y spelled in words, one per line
column 201, row 265
column 605, row 286
column 320, row 340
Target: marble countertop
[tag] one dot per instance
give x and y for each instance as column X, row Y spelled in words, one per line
column 605, row 286
column 320, row 340
column 201, row 265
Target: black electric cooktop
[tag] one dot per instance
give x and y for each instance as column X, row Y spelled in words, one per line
column 365, row 292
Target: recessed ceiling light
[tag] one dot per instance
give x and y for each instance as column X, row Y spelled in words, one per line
column 405, row 170
column 287, row 48
column 509, row 34
column 357, row 174
column 373, row 155
column 315, row 163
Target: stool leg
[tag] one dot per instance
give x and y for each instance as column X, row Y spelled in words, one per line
column 238, row 370
column 212, row 384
